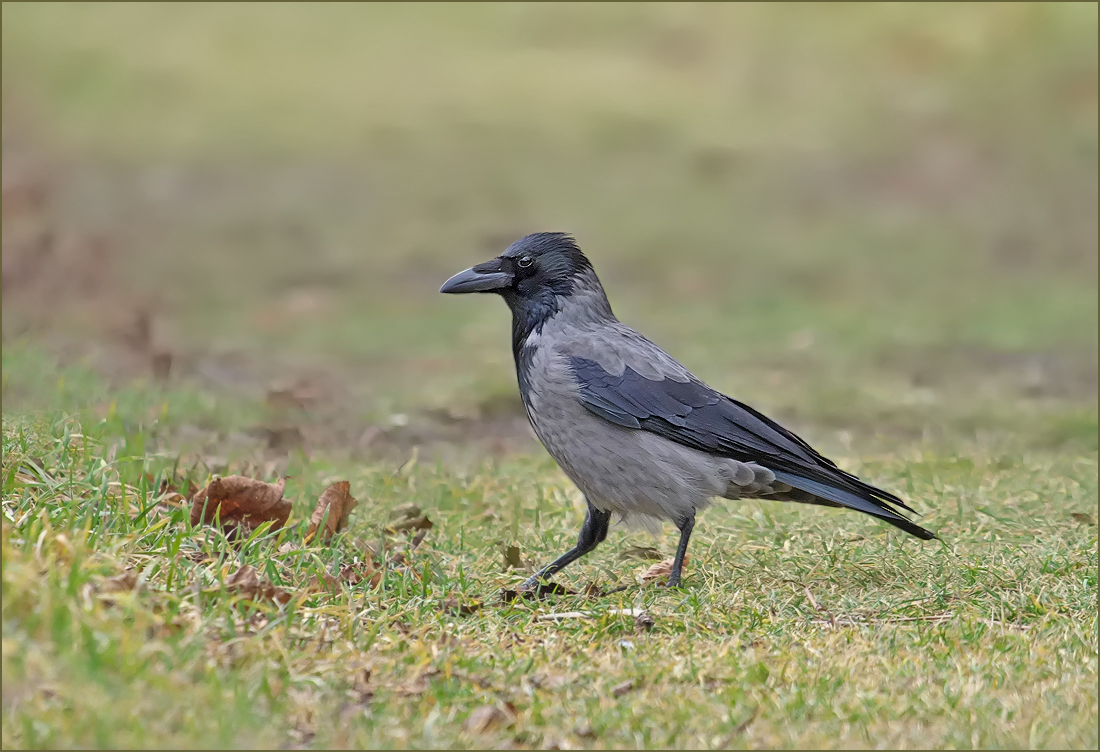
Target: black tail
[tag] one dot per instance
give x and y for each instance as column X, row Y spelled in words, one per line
column 860, row 496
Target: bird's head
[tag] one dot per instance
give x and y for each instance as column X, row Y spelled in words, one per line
column 535, row 268
column 538, row 276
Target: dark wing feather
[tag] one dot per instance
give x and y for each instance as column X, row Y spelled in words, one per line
column 694, row 415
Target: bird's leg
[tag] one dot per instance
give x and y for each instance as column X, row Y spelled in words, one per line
column 592, row 534
column 685, row 525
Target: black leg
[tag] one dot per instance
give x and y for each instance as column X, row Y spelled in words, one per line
column 592, row 534
column 685, row 526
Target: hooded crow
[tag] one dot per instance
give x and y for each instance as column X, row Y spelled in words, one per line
column 635, row 430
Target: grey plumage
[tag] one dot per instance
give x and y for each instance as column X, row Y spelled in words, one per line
column 635, row 430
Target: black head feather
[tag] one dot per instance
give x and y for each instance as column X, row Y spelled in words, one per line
column 545, row 260
column 538, row 276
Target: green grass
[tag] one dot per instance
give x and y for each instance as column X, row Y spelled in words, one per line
column 875, row 222
column 986, row 640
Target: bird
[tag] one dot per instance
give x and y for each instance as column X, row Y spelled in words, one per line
column 640, row 435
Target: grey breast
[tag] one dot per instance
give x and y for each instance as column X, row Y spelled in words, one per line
column 629, row 471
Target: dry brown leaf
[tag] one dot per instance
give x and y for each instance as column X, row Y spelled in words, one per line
column 621, row 689
column 415, row 523
column 485, row 718
column 659, row 571
column 240, row 502
column 1082, row 517
column 246, row 582
column 333, row 509
column 643, row 622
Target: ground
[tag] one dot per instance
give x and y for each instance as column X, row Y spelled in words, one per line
column 223, row 235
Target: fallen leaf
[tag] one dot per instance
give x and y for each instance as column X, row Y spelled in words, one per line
column 485, row 718
column 414, row 523
column 240, row 502
column 648, row 553
column 246, row 583
column 512, row 558
column 659, row 571
column 1082, row 517
column 452, row 606
column 621, row 689
column 333, row 509
column 643, row 622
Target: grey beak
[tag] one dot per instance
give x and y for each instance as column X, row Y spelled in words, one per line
column 486, row 277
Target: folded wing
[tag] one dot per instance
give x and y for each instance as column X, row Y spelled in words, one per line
column 694, row 415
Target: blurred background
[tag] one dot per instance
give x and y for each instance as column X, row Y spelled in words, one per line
column 863, row 218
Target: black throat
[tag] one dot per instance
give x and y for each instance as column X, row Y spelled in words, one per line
column 529, row 313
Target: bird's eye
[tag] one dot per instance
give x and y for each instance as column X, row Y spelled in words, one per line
column 524, row 262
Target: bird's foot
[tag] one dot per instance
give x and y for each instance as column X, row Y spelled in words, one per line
column 673, row 583
column 533, row 583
